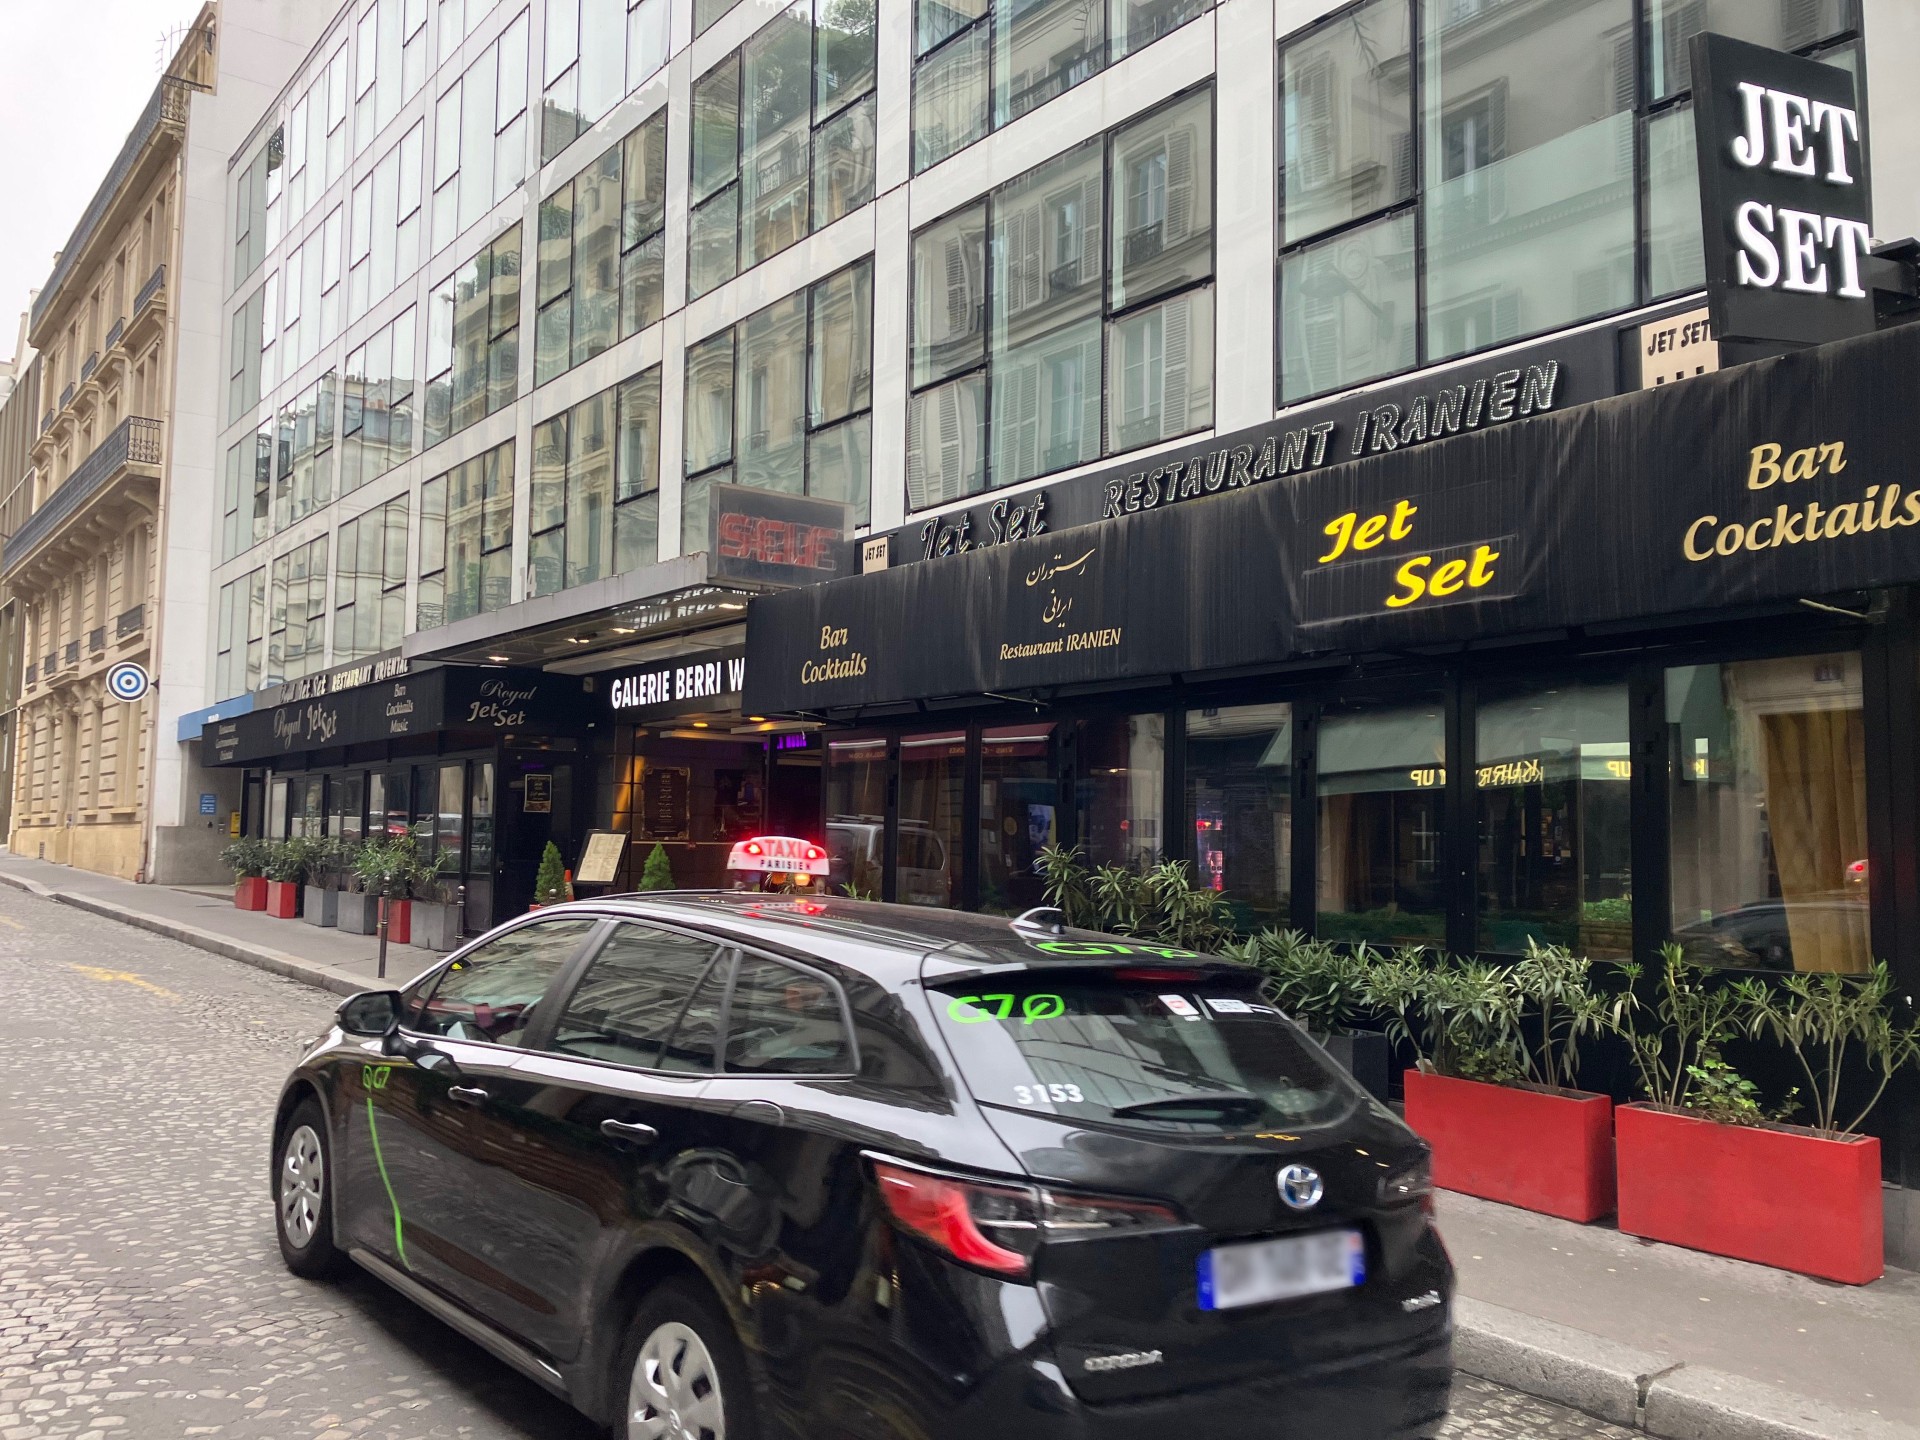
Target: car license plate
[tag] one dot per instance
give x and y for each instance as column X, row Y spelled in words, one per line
column 1265, row 1270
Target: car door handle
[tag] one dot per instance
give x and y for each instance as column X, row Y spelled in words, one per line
column 467, row 1094
column 628, row 1130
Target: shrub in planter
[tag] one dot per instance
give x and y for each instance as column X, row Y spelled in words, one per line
column 1702, row 1162
column 326, row 877
column 356, row 912
column 658, row 873
column 550, row 881
column 247, row 858
column 287, row 864
column 1502, row 1116
column 393, row 870
column 1158, row 902
column 1325, row 988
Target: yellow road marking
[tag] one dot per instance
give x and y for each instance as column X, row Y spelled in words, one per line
column 15, row 924
column 95, row 972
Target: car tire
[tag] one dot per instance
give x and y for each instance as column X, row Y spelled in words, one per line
column 302, row 1194
column 682, row 1372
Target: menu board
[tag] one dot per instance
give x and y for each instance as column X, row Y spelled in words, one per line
column 600, row 858
column 665, row 802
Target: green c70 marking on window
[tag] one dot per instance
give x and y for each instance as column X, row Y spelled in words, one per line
column 966, row 1009
column 373, row 1134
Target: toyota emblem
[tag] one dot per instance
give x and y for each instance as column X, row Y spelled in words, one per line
column 1301, row 1187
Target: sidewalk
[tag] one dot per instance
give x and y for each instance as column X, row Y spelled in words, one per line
column 1672, row 1343
column 203, row 916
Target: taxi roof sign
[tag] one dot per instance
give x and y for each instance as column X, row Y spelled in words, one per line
column 778, row 854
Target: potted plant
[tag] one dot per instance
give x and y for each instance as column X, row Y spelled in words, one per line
column 1705, row 1165
column 1501, row 1113
column 325, row 876
column 386, row 871
column 1156, row 902
column 658, row 874
column 356, row 910
column 247, row 858
column 550, row 881
column 437, row 918
column 1325, row 987
column 287, row 863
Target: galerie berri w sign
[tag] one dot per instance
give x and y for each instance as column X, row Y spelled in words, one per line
column 1784, row 201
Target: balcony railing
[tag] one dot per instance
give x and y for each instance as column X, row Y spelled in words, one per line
column 96, row 639
column 134, row 441
column 150, row 289
column 66, row 396
column 167, row 108
column 88, row 366
column 131, row 622
column 46, row 422
column 50, row 664
column 71, row 656
column 113, row 335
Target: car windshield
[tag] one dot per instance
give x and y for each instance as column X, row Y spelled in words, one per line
column 1194, row 1058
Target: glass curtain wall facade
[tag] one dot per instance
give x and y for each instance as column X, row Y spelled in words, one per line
column 596, row 486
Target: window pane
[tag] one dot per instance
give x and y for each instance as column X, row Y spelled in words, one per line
column 647, row 26
column 643, row 284
column 935, row 20
column 856, row 806
column 950, row 98
column 628, row 1002
column 1160, row 371
column 843, row 165
column 1163, row 201
column 709, row 402
column 1240, row 805
column 1347, row 120
column 782, row 1021
column 556, row 245
column 840, row 465
column 1347, row 309
column 639, row 464
column 710, row 245
column 947, row 442
column 1046, row 248
column 1382, row 800
column 1769, row 813
column 645, row 163
column 636, row 533
column 1790, row 25
column 1138, row 23
column 548, row 501
column 596, row 259
column 707, row 12
column 949, row 295
column 1043, row 48
column 845, row 64
column 1530, row 206
column 1019, row 805
column 932, row 797
column 1046, row 405
column 603, row 56
column 842, row 345
column 1675, row 258
column 1121, row 789
column 691, row 1047
column 770, row 397
column 1555, row 835
column 590, row 490
column 696, row 500
column 716, row 127
column 774, row 138
column 487, row 993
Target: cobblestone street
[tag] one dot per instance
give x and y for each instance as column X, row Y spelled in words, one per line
column 141, row 1294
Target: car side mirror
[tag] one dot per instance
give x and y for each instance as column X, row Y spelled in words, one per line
column 370, row 1013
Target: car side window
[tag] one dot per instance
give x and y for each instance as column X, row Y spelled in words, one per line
column 626, row 1006
column 491, row 992
column 785, row 1021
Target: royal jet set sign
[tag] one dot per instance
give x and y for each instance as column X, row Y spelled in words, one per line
column 1785, row 205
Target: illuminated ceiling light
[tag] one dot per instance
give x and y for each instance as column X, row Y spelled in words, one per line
column 758, row 719
column 502, row 659
column 700, row 725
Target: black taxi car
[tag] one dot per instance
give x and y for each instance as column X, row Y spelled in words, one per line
column 748, row 1167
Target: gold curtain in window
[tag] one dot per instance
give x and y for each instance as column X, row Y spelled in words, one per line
column 1816, row 815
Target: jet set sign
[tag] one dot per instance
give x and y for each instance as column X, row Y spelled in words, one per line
column 1786, row 209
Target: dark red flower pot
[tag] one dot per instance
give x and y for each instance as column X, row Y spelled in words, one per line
column 283, row 899
column 250, row 893
column 399, row 922
column 1782, row 1197
column 1550, row 1151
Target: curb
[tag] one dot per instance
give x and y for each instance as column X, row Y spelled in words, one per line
column 1647, row 1391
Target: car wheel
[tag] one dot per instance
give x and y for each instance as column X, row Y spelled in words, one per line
column 685, row 1374
column 302, row 1204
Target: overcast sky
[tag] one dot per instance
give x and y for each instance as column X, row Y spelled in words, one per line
column 74, row 75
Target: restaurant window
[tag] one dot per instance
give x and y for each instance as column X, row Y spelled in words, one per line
column 303, row 454
column 387, row 810
column 1120, row 792
column 1769, row 829
column 979, row 64
column 856, row 809
column 1240, row 805
column 1479, row 184
column 1553, row 771
column 385, row 244
column 346, row 795
column 466, row 540
column 1070, row 314
column 306, row 799
column 595, row 507
column 297, row 613
column 480, row 135
column 596, row 53
column 932, row 796
column 376, row 416
column 473, row 340
column 783, row 401
column 602, row 256
column 240, row 635
column 1019, row 814
column 783, row 138
column 370, row 582
column 1382, row 792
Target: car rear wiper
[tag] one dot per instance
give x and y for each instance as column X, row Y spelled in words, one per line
column 1222, row 1101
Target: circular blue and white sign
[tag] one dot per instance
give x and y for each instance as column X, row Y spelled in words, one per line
column 128, row 681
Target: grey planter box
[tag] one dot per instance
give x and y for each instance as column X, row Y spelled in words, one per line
column 1363, row 1056
column 322, row 906
column 437, row 927
column 358, row 914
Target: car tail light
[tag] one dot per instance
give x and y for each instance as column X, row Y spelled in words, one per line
column 1000, row 1227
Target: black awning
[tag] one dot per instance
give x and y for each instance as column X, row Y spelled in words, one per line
column 1792, row 477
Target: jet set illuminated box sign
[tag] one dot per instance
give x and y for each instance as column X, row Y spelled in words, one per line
column 1785, row 205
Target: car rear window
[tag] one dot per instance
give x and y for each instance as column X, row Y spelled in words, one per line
column 1155, row 1055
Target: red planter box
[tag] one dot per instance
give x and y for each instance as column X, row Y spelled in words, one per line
column 399, row 922
column 1786, row 1198
column 250, row 893
column 283, row 899
column 1532, row 1148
